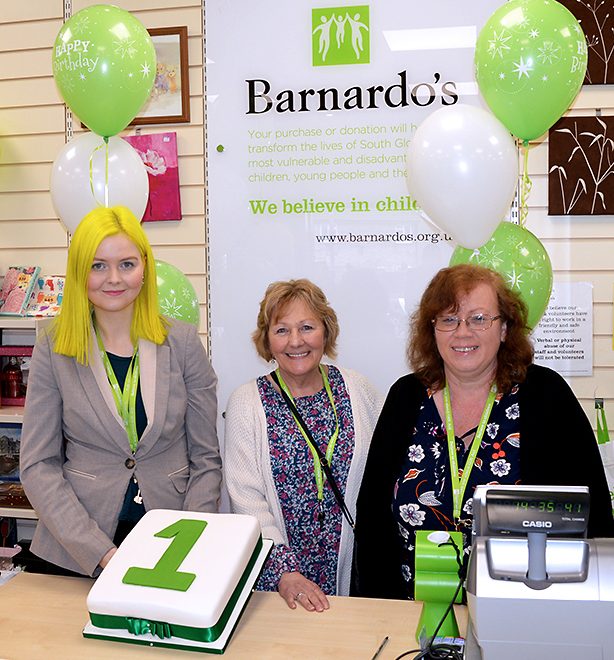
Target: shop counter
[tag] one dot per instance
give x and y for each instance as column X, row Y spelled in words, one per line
column 42, row 616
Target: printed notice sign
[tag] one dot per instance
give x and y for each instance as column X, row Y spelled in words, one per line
column 563, row 339
column 311, row 108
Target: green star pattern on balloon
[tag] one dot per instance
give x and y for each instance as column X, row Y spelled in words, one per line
column 521, row 259
column 530, row 61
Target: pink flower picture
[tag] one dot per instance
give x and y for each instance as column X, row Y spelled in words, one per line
column 159, row 155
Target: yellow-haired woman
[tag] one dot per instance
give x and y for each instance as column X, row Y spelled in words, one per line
column 120, row 413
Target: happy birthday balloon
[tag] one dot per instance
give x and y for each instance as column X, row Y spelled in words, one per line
column 530, row 61
column 520, row 257
column 104, row 64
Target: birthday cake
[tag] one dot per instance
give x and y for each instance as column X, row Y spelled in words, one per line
column 179, row 579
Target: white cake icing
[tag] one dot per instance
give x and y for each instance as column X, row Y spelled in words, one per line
column 218, row 559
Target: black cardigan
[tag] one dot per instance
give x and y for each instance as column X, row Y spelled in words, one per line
column 557, row 447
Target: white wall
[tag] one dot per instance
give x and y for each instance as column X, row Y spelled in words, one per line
column 32, row 132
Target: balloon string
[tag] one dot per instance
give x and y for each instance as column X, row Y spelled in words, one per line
column 106, row 172
column 525, row 186
column 92, row 174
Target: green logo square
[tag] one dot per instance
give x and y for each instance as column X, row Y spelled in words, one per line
column 340, row 35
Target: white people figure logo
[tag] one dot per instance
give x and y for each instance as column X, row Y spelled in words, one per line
column 340, row 35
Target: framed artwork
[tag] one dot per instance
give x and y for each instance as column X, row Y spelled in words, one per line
column 581, row 166
column 597, row 21
column 169, row 102
column 159, row 154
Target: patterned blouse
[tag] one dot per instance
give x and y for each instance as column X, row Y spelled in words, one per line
column 423, row 496
column 313, row 546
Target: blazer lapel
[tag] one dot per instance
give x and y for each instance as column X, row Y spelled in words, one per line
column 97, row 389
column 154, row 363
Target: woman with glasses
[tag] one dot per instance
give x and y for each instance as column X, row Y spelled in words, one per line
column 475, row 411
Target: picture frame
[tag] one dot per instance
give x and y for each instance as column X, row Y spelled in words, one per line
column 10, row 442
column 169, row 102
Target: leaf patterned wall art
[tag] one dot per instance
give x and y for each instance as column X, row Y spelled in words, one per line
column 580, row 167
column 597, row 20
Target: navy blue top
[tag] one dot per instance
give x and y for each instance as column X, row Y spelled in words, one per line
column 422, row 496
column 131, row 511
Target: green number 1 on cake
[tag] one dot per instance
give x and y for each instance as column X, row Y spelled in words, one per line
column 164, row 575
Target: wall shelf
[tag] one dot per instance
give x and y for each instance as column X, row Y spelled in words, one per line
column 17, row 512
column 11, row 414
column 18, row 331
column 18, row 322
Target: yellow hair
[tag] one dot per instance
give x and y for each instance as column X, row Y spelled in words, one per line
column 71, row 329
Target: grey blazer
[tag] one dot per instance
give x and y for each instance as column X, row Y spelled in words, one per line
column 76, row 461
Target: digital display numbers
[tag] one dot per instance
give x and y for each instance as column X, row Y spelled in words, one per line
column 549, row 506
column 524, row 511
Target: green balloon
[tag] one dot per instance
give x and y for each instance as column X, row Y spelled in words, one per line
column 104, row 64
column 530, row 61
column 176, row 295
column 520, row 257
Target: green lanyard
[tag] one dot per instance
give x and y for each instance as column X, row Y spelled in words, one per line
column 459, row 484
column 603, row 435
column 125, row 400
column 317, row 465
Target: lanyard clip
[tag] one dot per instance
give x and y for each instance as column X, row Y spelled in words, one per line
column 320, row 512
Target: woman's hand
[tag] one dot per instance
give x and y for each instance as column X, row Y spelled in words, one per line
column 105, row 560
column 295, row 588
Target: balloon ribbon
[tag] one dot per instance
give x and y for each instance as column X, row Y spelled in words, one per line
column 106, row 173
column 525, row 186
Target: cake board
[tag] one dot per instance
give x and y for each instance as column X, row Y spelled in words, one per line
column 218, row 646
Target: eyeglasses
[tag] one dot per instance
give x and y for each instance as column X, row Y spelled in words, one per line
column 474, row 322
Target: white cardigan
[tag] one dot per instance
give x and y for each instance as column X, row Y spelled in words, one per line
column 247, row 464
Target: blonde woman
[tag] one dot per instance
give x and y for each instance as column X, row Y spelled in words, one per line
column 121, row 405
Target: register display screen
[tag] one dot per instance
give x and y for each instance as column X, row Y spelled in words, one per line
column 520, row 512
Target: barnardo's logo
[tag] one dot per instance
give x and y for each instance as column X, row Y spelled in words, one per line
column 340, row 35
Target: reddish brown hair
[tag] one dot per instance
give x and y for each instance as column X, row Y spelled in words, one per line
column 442, row 295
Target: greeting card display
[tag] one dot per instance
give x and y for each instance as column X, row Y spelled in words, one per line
column 46, row 297
column 179, row 579
column 17, row 287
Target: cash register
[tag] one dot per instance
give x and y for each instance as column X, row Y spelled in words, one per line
column 537, row 587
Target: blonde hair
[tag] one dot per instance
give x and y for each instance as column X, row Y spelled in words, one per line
column 277, row 298
column 71, row 330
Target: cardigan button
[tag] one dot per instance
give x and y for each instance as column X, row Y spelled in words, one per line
column 130, row 463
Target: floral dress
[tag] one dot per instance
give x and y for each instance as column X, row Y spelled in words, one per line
column 313, row 546
column 422, row 496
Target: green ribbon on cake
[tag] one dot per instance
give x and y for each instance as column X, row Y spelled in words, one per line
column 143, row 626
column 164, row 630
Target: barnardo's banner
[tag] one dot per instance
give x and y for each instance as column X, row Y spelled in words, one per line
column 311, row 107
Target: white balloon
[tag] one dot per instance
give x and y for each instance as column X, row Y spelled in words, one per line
column 462, row 169
column 71, row 188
